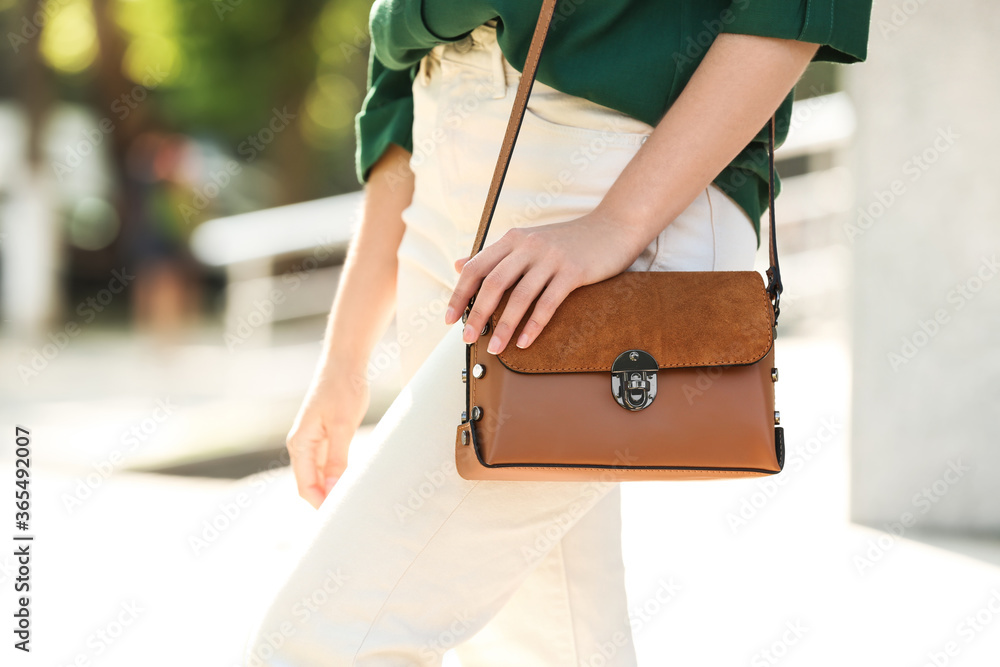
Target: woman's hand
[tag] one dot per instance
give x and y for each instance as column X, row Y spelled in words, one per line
column 735, row 89
column 321, row 435
column 362, row 309
column 547, row 260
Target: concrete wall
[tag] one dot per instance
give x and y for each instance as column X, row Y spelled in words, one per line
column 925, row 240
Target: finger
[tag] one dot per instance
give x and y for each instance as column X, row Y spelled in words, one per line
column 524, row 292
column 496, row 282
column 469, row 279
column 472, row 273
column 454, row 311
column 555, row 293
column 336, row 462
column 302, row 451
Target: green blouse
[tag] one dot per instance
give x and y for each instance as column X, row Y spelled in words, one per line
column 634, row 56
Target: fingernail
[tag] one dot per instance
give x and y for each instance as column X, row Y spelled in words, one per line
column 330, row 481
column 449, row 315
column 468, row 334
column 494, row 345
column 522, row 340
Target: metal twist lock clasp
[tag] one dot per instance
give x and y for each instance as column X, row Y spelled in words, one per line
column 633, row 379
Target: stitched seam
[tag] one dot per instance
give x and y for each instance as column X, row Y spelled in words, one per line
column 598, row 369
column 765, row 305
column 656, row 253
column 806, row 23
column 711, row 222
column 829, row 33
column 416, row 556
column 569, row 607
column 679, row 364
column 653, row 469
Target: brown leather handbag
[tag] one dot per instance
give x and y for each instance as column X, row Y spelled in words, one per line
column 643, row 376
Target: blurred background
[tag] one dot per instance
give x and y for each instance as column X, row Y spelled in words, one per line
column 177, row 192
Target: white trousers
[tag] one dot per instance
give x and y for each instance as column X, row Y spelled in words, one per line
column 411, row 560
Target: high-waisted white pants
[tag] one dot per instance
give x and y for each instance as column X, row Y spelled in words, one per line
column 411, row 560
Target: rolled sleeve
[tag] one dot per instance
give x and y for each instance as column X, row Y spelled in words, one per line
column 401, row 35
column 386, row 115
column 840, row 27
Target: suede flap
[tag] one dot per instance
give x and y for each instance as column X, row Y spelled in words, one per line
column 681, row 318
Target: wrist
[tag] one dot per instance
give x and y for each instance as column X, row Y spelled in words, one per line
column 636, row 224
column 336, row 366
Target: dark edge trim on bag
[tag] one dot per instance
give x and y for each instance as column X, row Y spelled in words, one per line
column 779, row 437
column 662, row 368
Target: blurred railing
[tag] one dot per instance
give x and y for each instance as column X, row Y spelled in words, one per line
column 817, row 190
column 284, row 260
column 266, row 253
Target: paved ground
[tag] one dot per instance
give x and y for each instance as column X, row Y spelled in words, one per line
column 719, row 573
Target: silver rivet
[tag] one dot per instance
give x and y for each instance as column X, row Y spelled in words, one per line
column 633, row 356
column 477, row 413
column 478, row 371
column 486, row 327
column 774, row 375
column 465, row 375
column 777, row 417
column 465, row 437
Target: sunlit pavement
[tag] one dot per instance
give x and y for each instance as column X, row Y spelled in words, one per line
column 719, row 573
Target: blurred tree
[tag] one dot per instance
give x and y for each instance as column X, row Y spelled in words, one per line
column 267, row 85
column 217, row 70
column 29, row 279
column 224, row 69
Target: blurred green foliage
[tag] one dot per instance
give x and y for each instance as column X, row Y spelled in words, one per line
column 216, row 69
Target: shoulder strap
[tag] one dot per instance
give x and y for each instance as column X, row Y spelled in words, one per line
column 774, row 286
column 514, row 123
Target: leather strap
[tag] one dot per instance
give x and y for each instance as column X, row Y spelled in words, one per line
column 514, row 123
column 774, row 286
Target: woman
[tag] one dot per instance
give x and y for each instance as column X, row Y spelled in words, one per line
column 641, row 150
